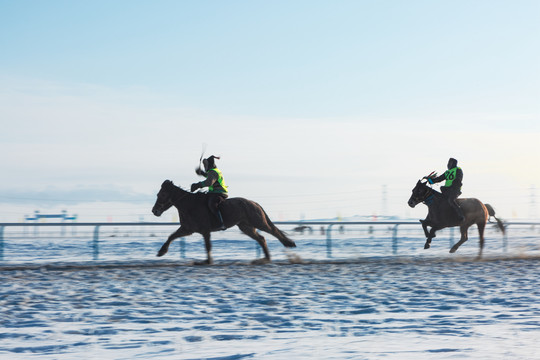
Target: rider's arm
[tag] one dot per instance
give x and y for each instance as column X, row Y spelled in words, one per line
column 210, row 179
column 437, row 179
column 201, row 172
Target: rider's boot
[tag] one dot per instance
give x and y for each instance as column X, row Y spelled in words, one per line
column 220, row 218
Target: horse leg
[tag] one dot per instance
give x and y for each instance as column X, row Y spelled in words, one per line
column 208, row 247
column 256, row 217
column 252, row 233
column 481, row 228
column 464, row 237
column 181, row 232
column 429, row 236
column 425, row 227
column 268, row 226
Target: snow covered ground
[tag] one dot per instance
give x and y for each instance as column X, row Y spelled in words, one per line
column 363, row 302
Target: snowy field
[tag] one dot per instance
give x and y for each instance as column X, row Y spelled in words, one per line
column 356, row 301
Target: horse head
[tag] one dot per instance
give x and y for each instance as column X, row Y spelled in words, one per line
column 164, row 198
column 420, row 193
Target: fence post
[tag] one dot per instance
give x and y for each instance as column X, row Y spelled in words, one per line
column 505, row 239
column 95, row 243
column 1, row 243
column 329, row 241
column 182, row 248
column 395, row 240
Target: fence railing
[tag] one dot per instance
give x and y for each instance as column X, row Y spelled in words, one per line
column 329, row 227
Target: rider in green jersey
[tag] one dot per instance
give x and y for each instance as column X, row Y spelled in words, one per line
column 452, row 187
column 217, row 190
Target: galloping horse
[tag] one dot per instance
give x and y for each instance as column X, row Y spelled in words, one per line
column 441, row 215
column 195, row 217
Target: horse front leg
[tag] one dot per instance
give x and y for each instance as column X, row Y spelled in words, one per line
column 464, row 237
column 208, row 247
column 425, row 223
column 181, row 232
column 429, row 236
column 424, row 227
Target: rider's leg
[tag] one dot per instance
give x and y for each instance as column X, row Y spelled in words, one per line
column 213, row 204
column 451, row 196
column 454, row 205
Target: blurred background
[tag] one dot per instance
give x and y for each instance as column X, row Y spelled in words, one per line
column 318, row 110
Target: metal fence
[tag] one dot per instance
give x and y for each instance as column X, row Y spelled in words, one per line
column 328, row 227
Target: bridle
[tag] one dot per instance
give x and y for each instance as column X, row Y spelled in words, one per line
column 163, row 203
column 427, row 197
column 168, row 197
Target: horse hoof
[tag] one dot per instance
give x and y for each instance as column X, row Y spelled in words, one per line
column 204, row 262
column 261, row 261
column 427, row 246
column 452, row 250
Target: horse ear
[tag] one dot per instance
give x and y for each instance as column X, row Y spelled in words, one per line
column 167, row 183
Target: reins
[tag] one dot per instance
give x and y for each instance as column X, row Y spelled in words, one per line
column 428, row 200
column 177, row 194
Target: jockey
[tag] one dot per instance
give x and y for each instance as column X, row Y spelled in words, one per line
column 217, row 190
column 452, row 187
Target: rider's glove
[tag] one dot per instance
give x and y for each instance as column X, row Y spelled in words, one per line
column 195, row 186
column 199, row 171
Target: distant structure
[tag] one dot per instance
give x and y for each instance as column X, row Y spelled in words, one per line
column 38, row 216
column 532, row 208
column 384, row 207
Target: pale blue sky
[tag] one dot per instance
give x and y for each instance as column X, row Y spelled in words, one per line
column 313, row 105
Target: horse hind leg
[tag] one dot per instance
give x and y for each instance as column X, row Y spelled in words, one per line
column 481, row 228
column 263, row 222
column 273, row 229
column 252, row 233
column 464, row 237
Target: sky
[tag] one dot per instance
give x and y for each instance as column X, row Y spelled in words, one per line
column 318, row 109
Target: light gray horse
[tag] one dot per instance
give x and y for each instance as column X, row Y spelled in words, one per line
column 441, row 215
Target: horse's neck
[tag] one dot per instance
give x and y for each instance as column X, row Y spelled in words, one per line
column 183, row 199
column 178, row 195
column 438, row 205
column 434, row 199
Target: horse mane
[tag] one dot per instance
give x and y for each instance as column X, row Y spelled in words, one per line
column 434, row 191
column 175, row 189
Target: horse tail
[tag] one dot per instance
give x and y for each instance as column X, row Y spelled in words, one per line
column 491, row 213
column 280, row 235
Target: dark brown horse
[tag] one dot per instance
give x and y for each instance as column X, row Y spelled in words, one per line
column 441, row 215
column 195, row 217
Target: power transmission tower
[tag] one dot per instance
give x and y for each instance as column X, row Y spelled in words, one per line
column 532, row 203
